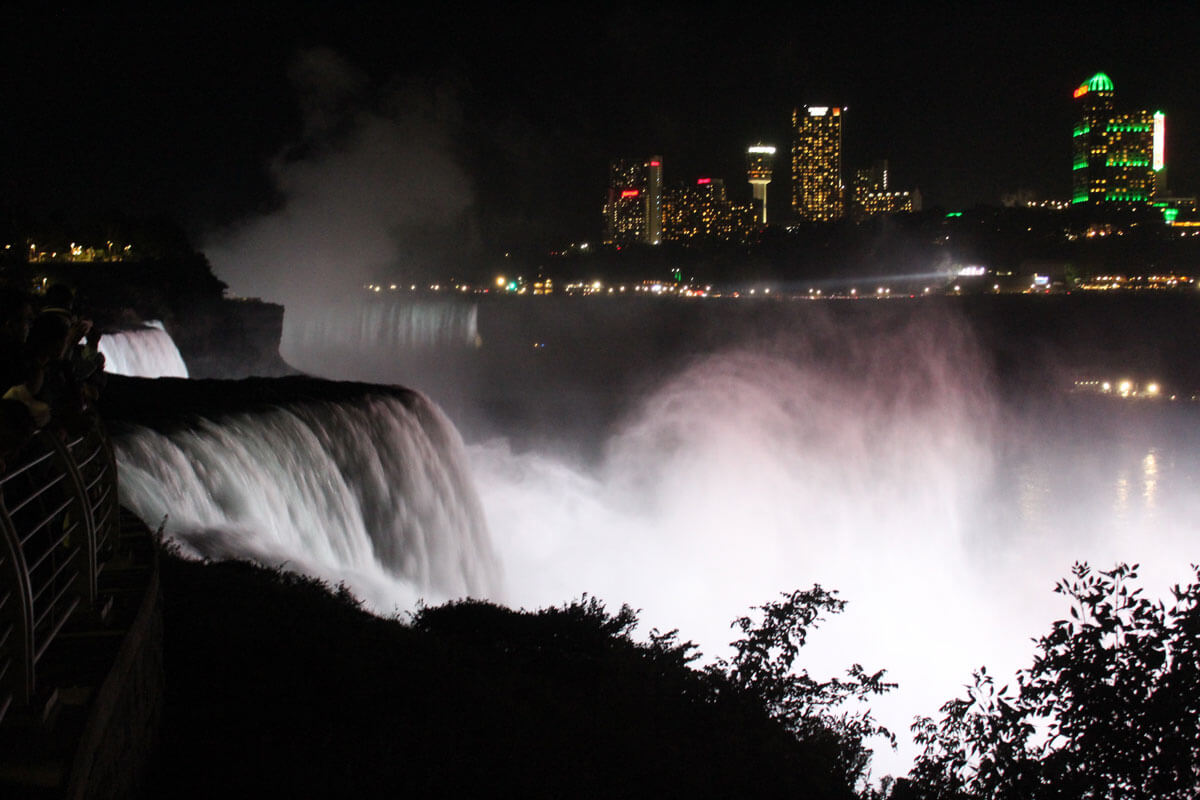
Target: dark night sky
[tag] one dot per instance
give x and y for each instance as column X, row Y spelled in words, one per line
column 183, row 113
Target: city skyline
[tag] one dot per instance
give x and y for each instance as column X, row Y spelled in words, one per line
column 1118, row 157
column 206, row 118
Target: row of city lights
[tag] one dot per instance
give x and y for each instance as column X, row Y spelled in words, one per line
column 520, row 287
column 680, row 288
column 77, row 252
column 1124, row 388
column 1137, row 283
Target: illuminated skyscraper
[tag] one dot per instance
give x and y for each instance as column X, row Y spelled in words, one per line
column 1117, row 155
column 870, row 194
column 874, row 178
column 1094, row 103
column 817, row 163
column 633, row 209
column 702, row 212
column 654, row 210
column 759, row 162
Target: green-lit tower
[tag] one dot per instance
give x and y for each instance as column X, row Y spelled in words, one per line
column 1114, row 152
column 1089, row 175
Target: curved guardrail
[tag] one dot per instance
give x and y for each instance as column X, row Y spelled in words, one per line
column 58, row 523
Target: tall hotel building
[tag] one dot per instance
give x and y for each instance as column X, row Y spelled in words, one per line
column 694, row 214
column 633, row 209
column 871, row 195
column 817, row 193
column 1118, row 156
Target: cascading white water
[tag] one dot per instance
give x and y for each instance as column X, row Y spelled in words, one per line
column 148, row 352
column 383, row 324
column 369, row 492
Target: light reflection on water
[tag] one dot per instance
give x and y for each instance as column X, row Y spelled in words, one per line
column 1150, row 478
column 1033, row 494
column 1121, row 505
column 1100, row 490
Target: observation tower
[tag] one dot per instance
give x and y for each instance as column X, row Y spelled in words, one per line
column 759, row 160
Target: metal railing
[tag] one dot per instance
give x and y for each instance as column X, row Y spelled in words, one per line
column 58, row 523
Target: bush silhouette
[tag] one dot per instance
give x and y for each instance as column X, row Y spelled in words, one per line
column 1110, row 707
column 285, row 687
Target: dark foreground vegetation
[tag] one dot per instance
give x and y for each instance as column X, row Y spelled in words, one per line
column 1110, row 707
column 279, row 688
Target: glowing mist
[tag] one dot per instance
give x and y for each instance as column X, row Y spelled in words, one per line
column 900, row 482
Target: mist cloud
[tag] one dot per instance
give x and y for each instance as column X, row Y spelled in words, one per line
column 371, row 190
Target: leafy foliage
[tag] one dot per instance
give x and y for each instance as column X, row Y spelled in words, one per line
column 760, row 681
column 294, row 689
column 764, row 666
column 1110, row 707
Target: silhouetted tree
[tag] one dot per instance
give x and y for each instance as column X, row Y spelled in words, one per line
column 1109, row 709
column 761, row 680
column 764, row 666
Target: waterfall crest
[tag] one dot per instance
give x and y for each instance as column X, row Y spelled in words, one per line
column 384, row 324
column 148, row 352
column 371, row 492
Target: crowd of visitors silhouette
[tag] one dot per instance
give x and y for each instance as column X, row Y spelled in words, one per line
column 51, row 371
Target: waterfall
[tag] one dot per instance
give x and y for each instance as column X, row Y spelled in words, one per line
column 384, row 324
column 370, row 492
column 148, row 352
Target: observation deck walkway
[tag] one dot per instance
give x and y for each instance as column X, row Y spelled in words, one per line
column 80, row 625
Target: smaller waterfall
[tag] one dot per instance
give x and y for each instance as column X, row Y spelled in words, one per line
column 148, row 352
column 384, row 323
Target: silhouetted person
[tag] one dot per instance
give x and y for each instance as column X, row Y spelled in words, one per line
column 59, row 301
column 27, row 385
column 59, row 298
column 47, row 347
column 83, row 367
